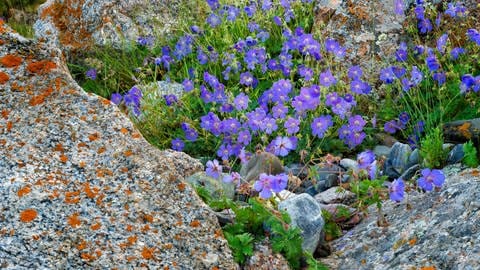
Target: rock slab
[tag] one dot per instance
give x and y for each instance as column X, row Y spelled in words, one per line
column 435, row 230
column 80, row 187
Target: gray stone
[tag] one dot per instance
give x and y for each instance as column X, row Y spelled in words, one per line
column 80, row 186
column 436, row 229
column 306, row 214
column 397, row 161
column 456, row 154
column 263, row 258
column 261, row 162
column 216, row 187
column 349, row 164
column 381, row 151
column 335, row 195
column 462, row 131
column 414, row 158
column 410, row 172
column 297, row 169
column 76, row 26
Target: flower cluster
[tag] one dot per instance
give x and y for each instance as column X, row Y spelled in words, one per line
column 268, row 184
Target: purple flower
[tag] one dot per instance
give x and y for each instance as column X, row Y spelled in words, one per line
column 365, row 159
column 214, row 169
column 387, row 75
column 404, row 117
column 187, row 85
column 305, row 72
column 292, row 125
column 233, row 177
column 183, row 47
column 277, row 20
column 432, row 62
column 266, row 5
column 359, row 87
column 456, row 52
column 355, row 72
column 430, row 178
column 397, row 190
column 332, row 46
column 402, row 53
column 327, row 79
column 211, row 122
column 146, row 41
column 424, row 25
column 456, row 10
column 355, row 138
column 441, row 43
column 320, row 125
column 195, row 29
column 241, row 101
column 282, row 146
column 247, row 79
column 232, row 13
column 250, row 10
column 244, row 137
column 399, row 7
column 177, row 144
column 269, row 183
column 279, row 111
column 190, row 133
column 91, row 74
column 214, row 4
column 439, row 77
column 170, row 99
column 356, row 123
column 416, row 76
column 474, row 35
column 269, row 125
column 214, row 20
column 116, row 98
column 391, row 127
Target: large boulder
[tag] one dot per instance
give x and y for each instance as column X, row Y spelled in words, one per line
column 433, row 230
column 80, row 187
column 369, row 30
column 76, row 25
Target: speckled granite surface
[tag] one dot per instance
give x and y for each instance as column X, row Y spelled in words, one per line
column 81, row 188
column 436, row 230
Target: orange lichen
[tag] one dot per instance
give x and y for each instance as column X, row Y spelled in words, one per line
column 136, row 135
column 215, row 268
column 464, row 130
column 54, row 195
column 81, row 144
column 87, row 257
column 148, row 218
column 23, row 191
column 59, row 147
column 181, row 186
column 28, row 215
column 11, row 61
column 129, row 228
column 9, row 126
column 4, row 77
column 89, row 192
column 5, row 114
column 82, row 245
column 106, row 102
column 74, row 221
column 101, row 150
column 145, row 228
column 93, row 137
column 131, row 240
column 36, row 100
column 96, row 226
column 124, row 130
column 41, row 67
column 412, row 241
column 72, row 197
column 428, row 268
column 63, row 159
column 128, row 153
column 147, row 253
column 195, row 223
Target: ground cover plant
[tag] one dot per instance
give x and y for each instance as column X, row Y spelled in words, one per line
column 253, row 75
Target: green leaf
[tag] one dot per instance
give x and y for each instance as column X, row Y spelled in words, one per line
column 470, row 157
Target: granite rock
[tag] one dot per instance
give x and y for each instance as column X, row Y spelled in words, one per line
column 397, row 161
column 263, row 258
column 434, row 230
column 80, row 186
column 75, row 26
column 335, row 195
column 306, row 214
